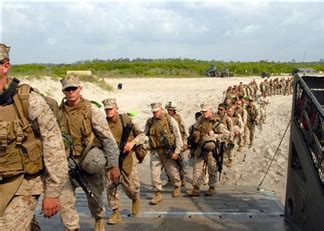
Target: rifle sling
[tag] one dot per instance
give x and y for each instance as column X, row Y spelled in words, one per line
column 6, row 96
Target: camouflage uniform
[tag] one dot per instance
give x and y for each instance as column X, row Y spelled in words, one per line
column 69, row 122
column 154, row 129
column 251, row 121
column 263, row 101
column 130, row 183
column 243, row 136
column 201, row 128
column 19, row 212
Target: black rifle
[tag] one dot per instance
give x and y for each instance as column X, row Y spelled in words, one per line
column 122, row 155
column 218, row 154
column 169, row 151
column 77, row 174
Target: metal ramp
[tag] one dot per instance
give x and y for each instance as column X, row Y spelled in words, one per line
column 231, row 208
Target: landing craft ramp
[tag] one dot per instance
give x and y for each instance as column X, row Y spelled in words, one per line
column 231, row 208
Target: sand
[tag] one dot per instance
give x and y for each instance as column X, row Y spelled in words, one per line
column 138, row 93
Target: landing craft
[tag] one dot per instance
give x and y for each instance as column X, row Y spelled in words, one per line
column 242, row 207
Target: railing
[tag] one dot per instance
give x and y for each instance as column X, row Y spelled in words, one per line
column 309, row 96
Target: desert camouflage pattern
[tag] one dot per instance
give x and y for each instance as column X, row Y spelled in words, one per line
column 96, row 182
column 69, row 214
column 222, row 134
column 20, row 210
column 160, row 159
column 130, row 183
column 103, row 132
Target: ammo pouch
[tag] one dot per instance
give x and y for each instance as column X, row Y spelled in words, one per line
column 32, row 156
column 140, row 152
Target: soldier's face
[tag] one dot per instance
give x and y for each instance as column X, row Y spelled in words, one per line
column 207, row 114
column 72, row 94
column 157, row 114
column 171, row 112
column 111, row 112
column 4, row 68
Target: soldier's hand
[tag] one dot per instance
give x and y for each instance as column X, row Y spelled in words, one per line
column 114, row 174
column 128, row 147
column 175, row 156
column 50, row 206
column 211, row 133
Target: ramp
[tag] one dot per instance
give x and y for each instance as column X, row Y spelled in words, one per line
column 231, row 208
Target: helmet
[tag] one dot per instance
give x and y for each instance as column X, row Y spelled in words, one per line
column 94, row 161
column 171, row 105
column 208, row 143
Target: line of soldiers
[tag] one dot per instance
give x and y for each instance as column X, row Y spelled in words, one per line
column 39, row 139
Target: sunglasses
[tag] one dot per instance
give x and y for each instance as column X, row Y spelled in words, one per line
column 68, row 89
column 221, row 109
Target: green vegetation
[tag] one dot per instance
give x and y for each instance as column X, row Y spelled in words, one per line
column 160, row 68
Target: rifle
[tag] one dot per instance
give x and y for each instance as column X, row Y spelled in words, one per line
column 122, row 155
column 218, row 154
column 169, row 151
column 77, row 174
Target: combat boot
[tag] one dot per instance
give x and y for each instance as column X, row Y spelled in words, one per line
column 176, row 192
column 115, row 217
column 136, row 207
column 241, row 149
column 211, row 191
column 183, row 182
column 156, row 198
column 194, row 192
column 99, row 225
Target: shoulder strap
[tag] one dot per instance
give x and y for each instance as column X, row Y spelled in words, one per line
column 6, row 96
column 23, row 95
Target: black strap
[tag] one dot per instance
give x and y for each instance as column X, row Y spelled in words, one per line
column 6, row 96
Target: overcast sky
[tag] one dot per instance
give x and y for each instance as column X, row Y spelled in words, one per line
column 54, row 32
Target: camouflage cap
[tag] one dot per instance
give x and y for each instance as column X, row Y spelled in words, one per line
column 205, row 106
column 4, row 51
column 156, row 107
column 109, row 103
column 171, row 105
column 70, row 81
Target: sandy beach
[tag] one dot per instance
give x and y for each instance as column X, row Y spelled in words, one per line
column 137, row 94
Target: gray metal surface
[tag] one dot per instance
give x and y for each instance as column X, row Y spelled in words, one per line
column 231, row 208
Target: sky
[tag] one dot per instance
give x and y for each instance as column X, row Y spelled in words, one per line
column 71, row 31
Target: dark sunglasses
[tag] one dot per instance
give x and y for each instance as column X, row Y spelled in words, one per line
column 68, row 89
column 221, row 109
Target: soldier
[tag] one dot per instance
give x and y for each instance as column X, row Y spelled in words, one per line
column 172, row 111
column 238, row 130
column 239, row 109
column 227, row 121
column 93, row 144
column 208, row 130
column 263, row 101
column 29, row 130
column 252, row 119
column 129, row 178
column 165, row 144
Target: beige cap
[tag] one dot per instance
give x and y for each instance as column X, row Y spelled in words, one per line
column 171, row 105
column 156, row 107
column 70, row 81
column 109, row 103
column 205, row 106
column 4, row 51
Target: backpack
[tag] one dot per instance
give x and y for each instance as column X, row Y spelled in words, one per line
column 141, row 149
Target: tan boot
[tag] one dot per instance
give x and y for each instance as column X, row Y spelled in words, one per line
column 176, row 192
column 156, row 198
column 194, row 192
column 136, row 207
column 183, row 183
column 100, row 225
column 211, row 191
column 115, row 217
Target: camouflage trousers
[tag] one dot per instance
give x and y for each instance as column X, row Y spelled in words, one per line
column 159, row 160
column 68, row 213
column 251, row 127
column 19, row 213
column 198, row 170
column 263, row 114
column 246, row 134
column 130, row 184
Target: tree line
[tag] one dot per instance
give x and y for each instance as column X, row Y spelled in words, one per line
column 125, row 67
